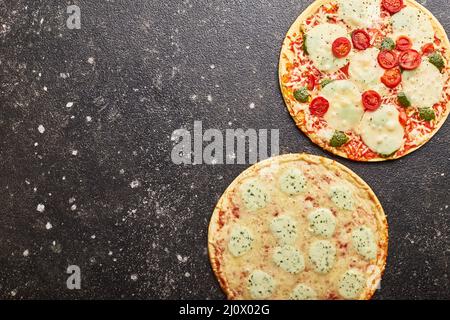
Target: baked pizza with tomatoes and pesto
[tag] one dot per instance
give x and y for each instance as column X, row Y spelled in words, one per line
column 298, row 227
column 367, row 80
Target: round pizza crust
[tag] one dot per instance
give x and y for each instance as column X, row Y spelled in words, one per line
column 216, row 223
column 286, row 57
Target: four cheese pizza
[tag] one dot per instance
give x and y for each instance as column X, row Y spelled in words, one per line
column 298, row 227
column 366, row 79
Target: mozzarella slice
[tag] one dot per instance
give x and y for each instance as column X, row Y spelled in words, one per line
column 360, row 14
column 346, row 110
column 260, row 285
column 381, row 130
column 319, row 41
column 303, row 292
column 423, row 86
column 342, row 197
column 322, row 255
column 254, row 195
column 284, row 228
column 241, row 241
column 364, row 242
column 365, row 71
column 289, row 259
column 351, row 284
column 292, row 181
column 322, row 222
column 415, row 24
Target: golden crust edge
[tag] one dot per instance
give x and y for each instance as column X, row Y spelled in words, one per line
column 383, row 228
column 295, row 27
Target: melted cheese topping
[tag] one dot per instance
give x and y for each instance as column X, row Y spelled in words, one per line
column 303, row 292
column 260, row 285
column 322, row 255
column 364, row 242
column 322, row 222
column 241, row 241
column 319, row 43
column 381, row 130
column 423, row 86
column 292, row 182
column 254, row 195
column 415, row 24
column 342, row 197
column 284, row 228
column 346, row 110
column 360, row 13
column 352, row 284
column 289, row 259
column 366, row 72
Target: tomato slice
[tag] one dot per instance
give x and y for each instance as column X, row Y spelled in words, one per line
column 310, row 82
column 361, row 39
column 319, row 106
column 393, row 6
column 371, row 100
column 428, row 49
column 403, row 43
column 402, row 117
column 345, row 69
column 410, row 59
column 387, row 59
column 341, row 47
column 392, row 77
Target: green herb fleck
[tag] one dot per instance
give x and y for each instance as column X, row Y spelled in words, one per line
column 339, row 139
column 301, row 95
column 437, row 60
column 403, row 100
column 427, row 114
column 325, row 82
column 304, row 46
column 387, row 44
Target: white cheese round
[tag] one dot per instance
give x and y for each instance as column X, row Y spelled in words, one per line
column 284, row 228
column 254, row 195
column 415, row 24
column 342, row 197
column 319, row 41
column 360, row 13
column 423, row 86
column 322, row 255
column 260, row 285
column 303, row 292
column 241, row 241
column 292, row 182
column 366, row 72
column 322, row 222
column 346, row 110
column 381, row 130
column 289, row 259
column 364, row 242
column 351, row 284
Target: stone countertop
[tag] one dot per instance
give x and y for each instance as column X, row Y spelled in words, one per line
column 86, row 118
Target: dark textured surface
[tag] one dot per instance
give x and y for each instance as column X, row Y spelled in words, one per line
column 141, row 69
